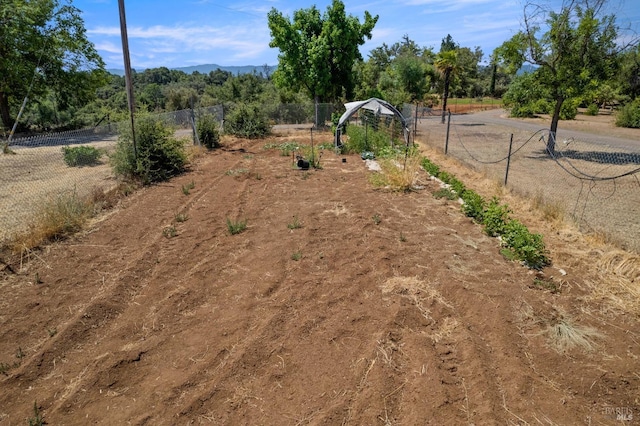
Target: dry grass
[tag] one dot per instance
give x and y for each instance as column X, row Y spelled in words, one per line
column 560, row 330
column 58, row 216
column 618, row 281
column 563, row 335
column 397, row 174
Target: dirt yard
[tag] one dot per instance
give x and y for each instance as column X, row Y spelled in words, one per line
column 339, row 304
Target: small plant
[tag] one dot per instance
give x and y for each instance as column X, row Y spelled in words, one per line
column 296, row 224
column 592, row 109
column 236, row 172
column 403, row 238
column 258, row 176
column 430, row 167
column 81, row 155
column 36, row 420
column 473, row 205
column 236, row 227
column 543, row 284
column 445, row 193
column 20, row 354
column 186, row 189
column 169, row 231
column 527, row 247
column 296, row 256
column 181, row 217
column 52, row 332
column 376, row 219
column 495, row 218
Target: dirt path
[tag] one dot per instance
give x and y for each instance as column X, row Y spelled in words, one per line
column 382, row 308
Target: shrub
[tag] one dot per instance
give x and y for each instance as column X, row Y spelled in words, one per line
column 430, row 167
column 495, row 218
column 629, row 115
column 247, row 121
column 592, row 109
column 160, row 155
column 524, row 245
column 81, row 155
column 473, row 205
column 208, row 132
column 569, row 109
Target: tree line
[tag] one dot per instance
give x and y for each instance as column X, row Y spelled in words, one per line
column 575, row 55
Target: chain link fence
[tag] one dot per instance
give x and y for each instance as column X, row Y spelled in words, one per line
column 594, row 180
column 33, row 171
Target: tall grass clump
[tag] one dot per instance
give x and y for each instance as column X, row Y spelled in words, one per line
column 160, row 155
column 55, row 218
column 397, row 174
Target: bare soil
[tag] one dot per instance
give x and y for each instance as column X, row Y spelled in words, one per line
column 381, row 308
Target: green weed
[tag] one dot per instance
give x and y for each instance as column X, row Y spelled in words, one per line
column 296, row 224
column 186, row 189
column 236, row 227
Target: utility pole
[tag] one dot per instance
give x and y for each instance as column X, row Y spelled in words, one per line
column 127, row 72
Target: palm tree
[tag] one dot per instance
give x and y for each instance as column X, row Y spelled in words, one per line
column 447, row 64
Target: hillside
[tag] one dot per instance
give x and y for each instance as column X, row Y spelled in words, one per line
column 207, row 68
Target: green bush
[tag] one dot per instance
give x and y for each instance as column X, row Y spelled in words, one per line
column 365, row 139
column 495, row 218
column 160, row 154
column 247, row 121
column 629, row 115
column 524, row 245
column 473, row 205
column 430, row 167
column 208, row 132
column 592, row 109
column 81, row 155
column 569, row 109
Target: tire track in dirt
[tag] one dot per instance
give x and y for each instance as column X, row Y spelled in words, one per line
column 101, row 312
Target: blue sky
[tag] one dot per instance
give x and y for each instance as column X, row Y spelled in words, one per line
column 182, row 33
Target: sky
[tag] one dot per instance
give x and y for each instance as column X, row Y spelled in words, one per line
column 176, row 34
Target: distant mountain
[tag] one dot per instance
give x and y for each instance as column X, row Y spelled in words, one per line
column 207, row 68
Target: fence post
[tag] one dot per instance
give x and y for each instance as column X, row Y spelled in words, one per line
column 446, row 142
column 506, row 174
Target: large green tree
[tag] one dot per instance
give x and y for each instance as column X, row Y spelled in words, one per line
column 318, row 52
column 577, row 49
column 43, row 45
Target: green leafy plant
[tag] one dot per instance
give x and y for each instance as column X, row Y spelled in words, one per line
column 376, row 219
column 181, row 217
column 445, row 193
column 247, row 121
column 208, row 133
column 525, row 246
column 403, row 237
column 430, row 167
column 160, row 155
column 495, row 218
column 169, row 231
column 236, row 227
column 81, row 155
column 295, row 224
column 473, row 205
column 629, row 115
column 186, row 189
column 296, row 256
column 37, row 419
